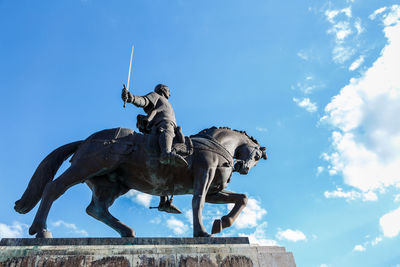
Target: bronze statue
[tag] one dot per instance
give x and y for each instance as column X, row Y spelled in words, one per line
column 113, row 161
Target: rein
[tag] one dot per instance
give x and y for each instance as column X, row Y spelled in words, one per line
column 209, row 143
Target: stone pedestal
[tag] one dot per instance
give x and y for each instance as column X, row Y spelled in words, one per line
column 204, row 252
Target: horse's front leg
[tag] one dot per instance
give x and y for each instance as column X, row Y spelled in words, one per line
column 223, row 197
column 202, row 182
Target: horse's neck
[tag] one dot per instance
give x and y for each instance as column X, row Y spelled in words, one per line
column 229, row 139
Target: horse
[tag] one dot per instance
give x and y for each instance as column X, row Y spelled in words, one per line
column 113, row 161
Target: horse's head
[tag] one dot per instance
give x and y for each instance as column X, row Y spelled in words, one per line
column 245, row 149
column 247, row 156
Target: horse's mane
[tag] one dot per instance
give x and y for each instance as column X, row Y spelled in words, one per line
column 227, row 128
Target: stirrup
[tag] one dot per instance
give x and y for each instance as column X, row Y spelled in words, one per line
column 179, row 160
column 167, row 206
column 170, row 208
column 173, row 159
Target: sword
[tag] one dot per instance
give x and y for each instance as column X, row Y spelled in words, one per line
column 129, row 73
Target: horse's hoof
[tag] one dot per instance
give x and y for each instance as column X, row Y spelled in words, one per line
column 129, row 233
column 217, row 227
column 44, row 234
column 202, row 234
column 33, row 229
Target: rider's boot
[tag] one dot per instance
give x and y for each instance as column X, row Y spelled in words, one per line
column 167, row 206
column 167, row 157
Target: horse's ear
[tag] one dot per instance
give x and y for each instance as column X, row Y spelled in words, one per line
column 264, row 155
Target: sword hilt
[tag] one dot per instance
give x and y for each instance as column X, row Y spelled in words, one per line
column 125, row 98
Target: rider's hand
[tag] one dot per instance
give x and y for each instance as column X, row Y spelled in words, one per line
column 126, row 95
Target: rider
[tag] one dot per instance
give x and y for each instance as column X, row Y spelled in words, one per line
column 161, row 121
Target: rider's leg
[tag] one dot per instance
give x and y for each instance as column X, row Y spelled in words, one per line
column 167, row 206
column 165, row 140
column 163, row 200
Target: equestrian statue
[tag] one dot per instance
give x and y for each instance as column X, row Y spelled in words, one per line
column 159, row 161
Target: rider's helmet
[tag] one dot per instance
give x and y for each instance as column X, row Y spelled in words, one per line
column 162, row 89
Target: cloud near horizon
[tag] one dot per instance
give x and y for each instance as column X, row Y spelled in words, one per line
column 291, row 235
column 15, row 230
column 71, row 228
column 177, row 226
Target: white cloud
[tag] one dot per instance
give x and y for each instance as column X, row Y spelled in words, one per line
column 392, row 17
column 303, row 55
column 177, row 226
column 390, row 223
column 291, row 235
column 12, row 231
column 306, row 104
column 351, row 195
column 357, row 63
column 373, row 242
column 347, row 11
column 376, row 241
column 138, row 197
column 377, row 12
column 359, row 248
column 331, row 14
column 156, row 220
column 72, row 228
column 342, row 53
column 345, row 30
column 397, row 198
column 308, row 85
column 259, row 236
column 320, row 169
column 189, row 216
column 358, row 26
column 250, row 216
column 369, row 196
column 261, row 129
column 341, row 30
column 366, row 143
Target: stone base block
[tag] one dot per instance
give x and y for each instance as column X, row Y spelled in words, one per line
column 220, row 252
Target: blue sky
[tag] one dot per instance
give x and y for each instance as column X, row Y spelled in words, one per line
column 316, row 82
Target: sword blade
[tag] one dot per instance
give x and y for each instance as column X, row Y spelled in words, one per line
column 130, row 67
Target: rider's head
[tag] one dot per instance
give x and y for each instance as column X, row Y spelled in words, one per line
column 162, row 89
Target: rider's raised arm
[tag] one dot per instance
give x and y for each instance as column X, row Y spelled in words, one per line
column 140, row 101
column 147, row 102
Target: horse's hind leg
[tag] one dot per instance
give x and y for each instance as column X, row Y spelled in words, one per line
column 104, row 194
column 72, row 176
column 223, row 197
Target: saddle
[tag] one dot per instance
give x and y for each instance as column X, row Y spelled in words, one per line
column 124, row 144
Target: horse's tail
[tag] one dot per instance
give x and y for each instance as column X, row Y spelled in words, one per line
column 44, row 173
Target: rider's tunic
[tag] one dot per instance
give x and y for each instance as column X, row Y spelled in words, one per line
column 160, row 113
